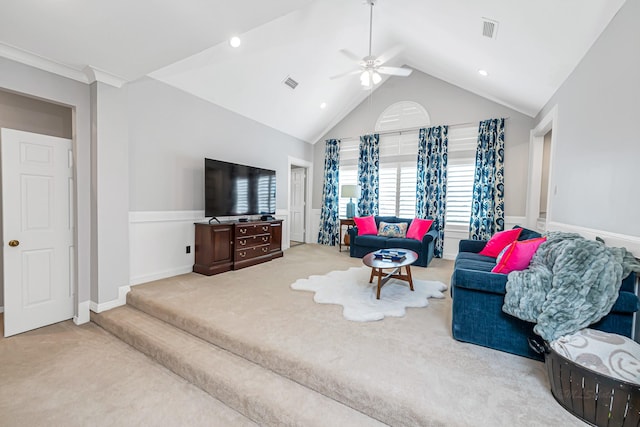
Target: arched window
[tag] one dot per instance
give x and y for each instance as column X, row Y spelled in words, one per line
column 398, row 154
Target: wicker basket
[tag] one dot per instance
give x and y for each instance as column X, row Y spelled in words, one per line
column 595, row 398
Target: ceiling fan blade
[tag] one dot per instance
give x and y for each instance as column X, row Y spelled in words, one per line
column 389, row 54
column 352, row 56
column 395, row 71
column 347, row 73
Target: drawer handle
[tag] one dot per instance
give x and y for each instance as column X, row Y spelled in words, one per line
column 265, row 239
column 265, row 228
column 243, row 242
column 243, row 230
column 242, row 254
column 265, row 249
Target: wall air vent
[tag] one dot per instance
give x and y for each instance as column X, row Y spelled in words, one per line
column 489, row 28
column 290, row 82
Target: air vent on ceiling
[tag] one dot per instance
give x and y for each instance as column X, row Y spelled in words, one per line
column 290, row 82
column 489, row 28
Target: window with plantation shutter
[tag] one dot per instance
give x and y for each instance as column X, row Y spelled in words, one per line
column 460, row 174
column 459, row 192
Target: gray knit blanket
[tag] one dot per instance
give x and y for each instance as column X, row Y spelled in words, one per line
column 571, row 283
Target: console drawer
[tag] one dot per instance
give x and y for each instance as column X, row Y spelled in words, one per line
column 246, row 230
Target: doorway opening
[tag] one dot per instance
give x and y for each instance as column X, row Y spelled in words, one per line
column 299, row 201
column 540, row 185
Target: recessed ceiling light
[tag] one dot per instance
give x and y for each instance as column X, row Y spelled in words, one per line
column 483, row 73
column 235, row 41
column 323, row 105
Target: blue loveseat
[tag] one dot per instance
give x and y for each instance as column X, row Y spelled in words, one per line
column 359, row 246
column 478, row 296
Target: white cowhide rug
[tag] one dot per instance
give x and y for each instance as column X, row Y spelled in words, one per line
column 352, row 290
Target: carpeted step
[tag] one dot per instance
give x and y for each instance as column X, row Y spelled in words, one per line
column 260, row 394
column 375, row 404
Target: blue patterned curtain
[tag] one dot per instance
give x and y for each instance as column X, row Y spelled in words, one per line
column 329, row 233
column 487, row 209
column 369, row 175
column 431, row 185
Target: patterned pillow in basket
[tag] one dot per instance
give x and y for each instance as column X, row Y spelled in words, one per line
column 392, row 229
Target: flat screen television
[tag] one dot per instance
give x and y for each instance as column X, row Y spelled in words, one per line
column 236, row 190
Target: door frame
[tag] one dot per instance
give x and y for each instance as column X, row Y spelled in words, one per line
column 308, row 166
column 534, row 184
column 72, row 210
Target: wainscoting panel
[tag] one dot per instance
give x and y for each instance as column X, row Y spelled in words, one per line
column 157, row 244
column 632, row 243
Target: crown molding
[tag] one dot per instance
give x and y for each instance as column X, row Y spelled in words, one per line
column 88, row 75
column 94, row 74
column 42, row 63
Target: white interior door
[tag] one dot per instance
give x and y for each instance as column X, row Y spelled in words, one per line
column 298, row 184
column 37, row 226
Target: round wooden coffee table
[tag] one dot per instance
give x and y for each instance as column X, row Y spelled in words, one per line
column 377, row 265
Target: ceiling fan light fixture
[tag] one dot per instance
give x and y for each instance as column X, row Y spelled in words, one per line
column 375, row 77
column 365, row 79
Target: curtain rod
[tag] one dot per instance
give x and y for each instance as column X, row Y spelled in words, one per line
column 401, row 131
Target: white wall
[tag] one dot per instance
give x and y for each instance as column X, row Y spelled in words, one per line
column 170, row 134
column 595, row 167
column 40, row 84
column 446, row 105
column 110, row 200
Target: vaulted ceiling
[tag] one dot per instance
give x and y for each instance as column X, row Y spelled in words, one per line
column 536, row 45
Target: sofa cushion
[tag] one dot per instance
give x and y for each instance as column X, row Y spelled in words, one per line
column 371, row 241
column 392, row 229
column 477, row 257
column 473, row 264
column 366, row 225
column 418, row 228
column 499, row 241
column 397, row 242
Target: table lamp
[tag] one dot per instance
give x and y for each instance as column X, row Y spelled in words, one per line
column 350, row 191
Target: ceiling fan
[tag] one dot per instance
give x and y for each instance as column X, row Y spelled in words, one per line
column 370, row 67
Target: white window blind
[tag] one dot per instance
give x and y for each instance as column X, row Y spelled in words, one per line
column 398, row 189
column 460, row 174
column 459, row 192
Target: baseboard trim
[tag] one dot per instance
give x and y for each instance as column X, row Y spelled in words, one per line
column 632, row 243
column 83, row 313
column 122, row 300
column 136, row 280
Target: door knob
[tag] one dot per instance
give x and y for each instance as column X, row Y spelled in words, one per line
column 13, row 243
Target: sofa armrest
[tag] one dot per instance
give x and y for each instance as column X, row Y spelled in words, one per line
column 474, row 246
column 431, row 235
column 353, row 232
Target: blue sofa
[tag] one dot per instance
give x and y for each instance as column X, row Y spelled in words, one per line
column 359, row 246
column 478, row 296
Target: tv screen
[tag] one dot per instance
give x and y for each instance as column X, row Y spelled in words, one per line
column 233, row 190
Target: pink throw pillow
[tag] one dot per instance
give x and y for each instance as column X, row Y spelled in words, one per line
column 366, row 225
column 499, row 241
column 418, row 228
column 518, row 256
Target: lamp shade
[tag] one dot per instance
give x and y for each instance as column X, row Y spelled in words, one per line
column 349, row 191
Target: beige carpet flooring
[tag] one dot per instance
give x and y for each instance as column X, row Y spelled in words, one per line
column 68, row 375
column 402, row 371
